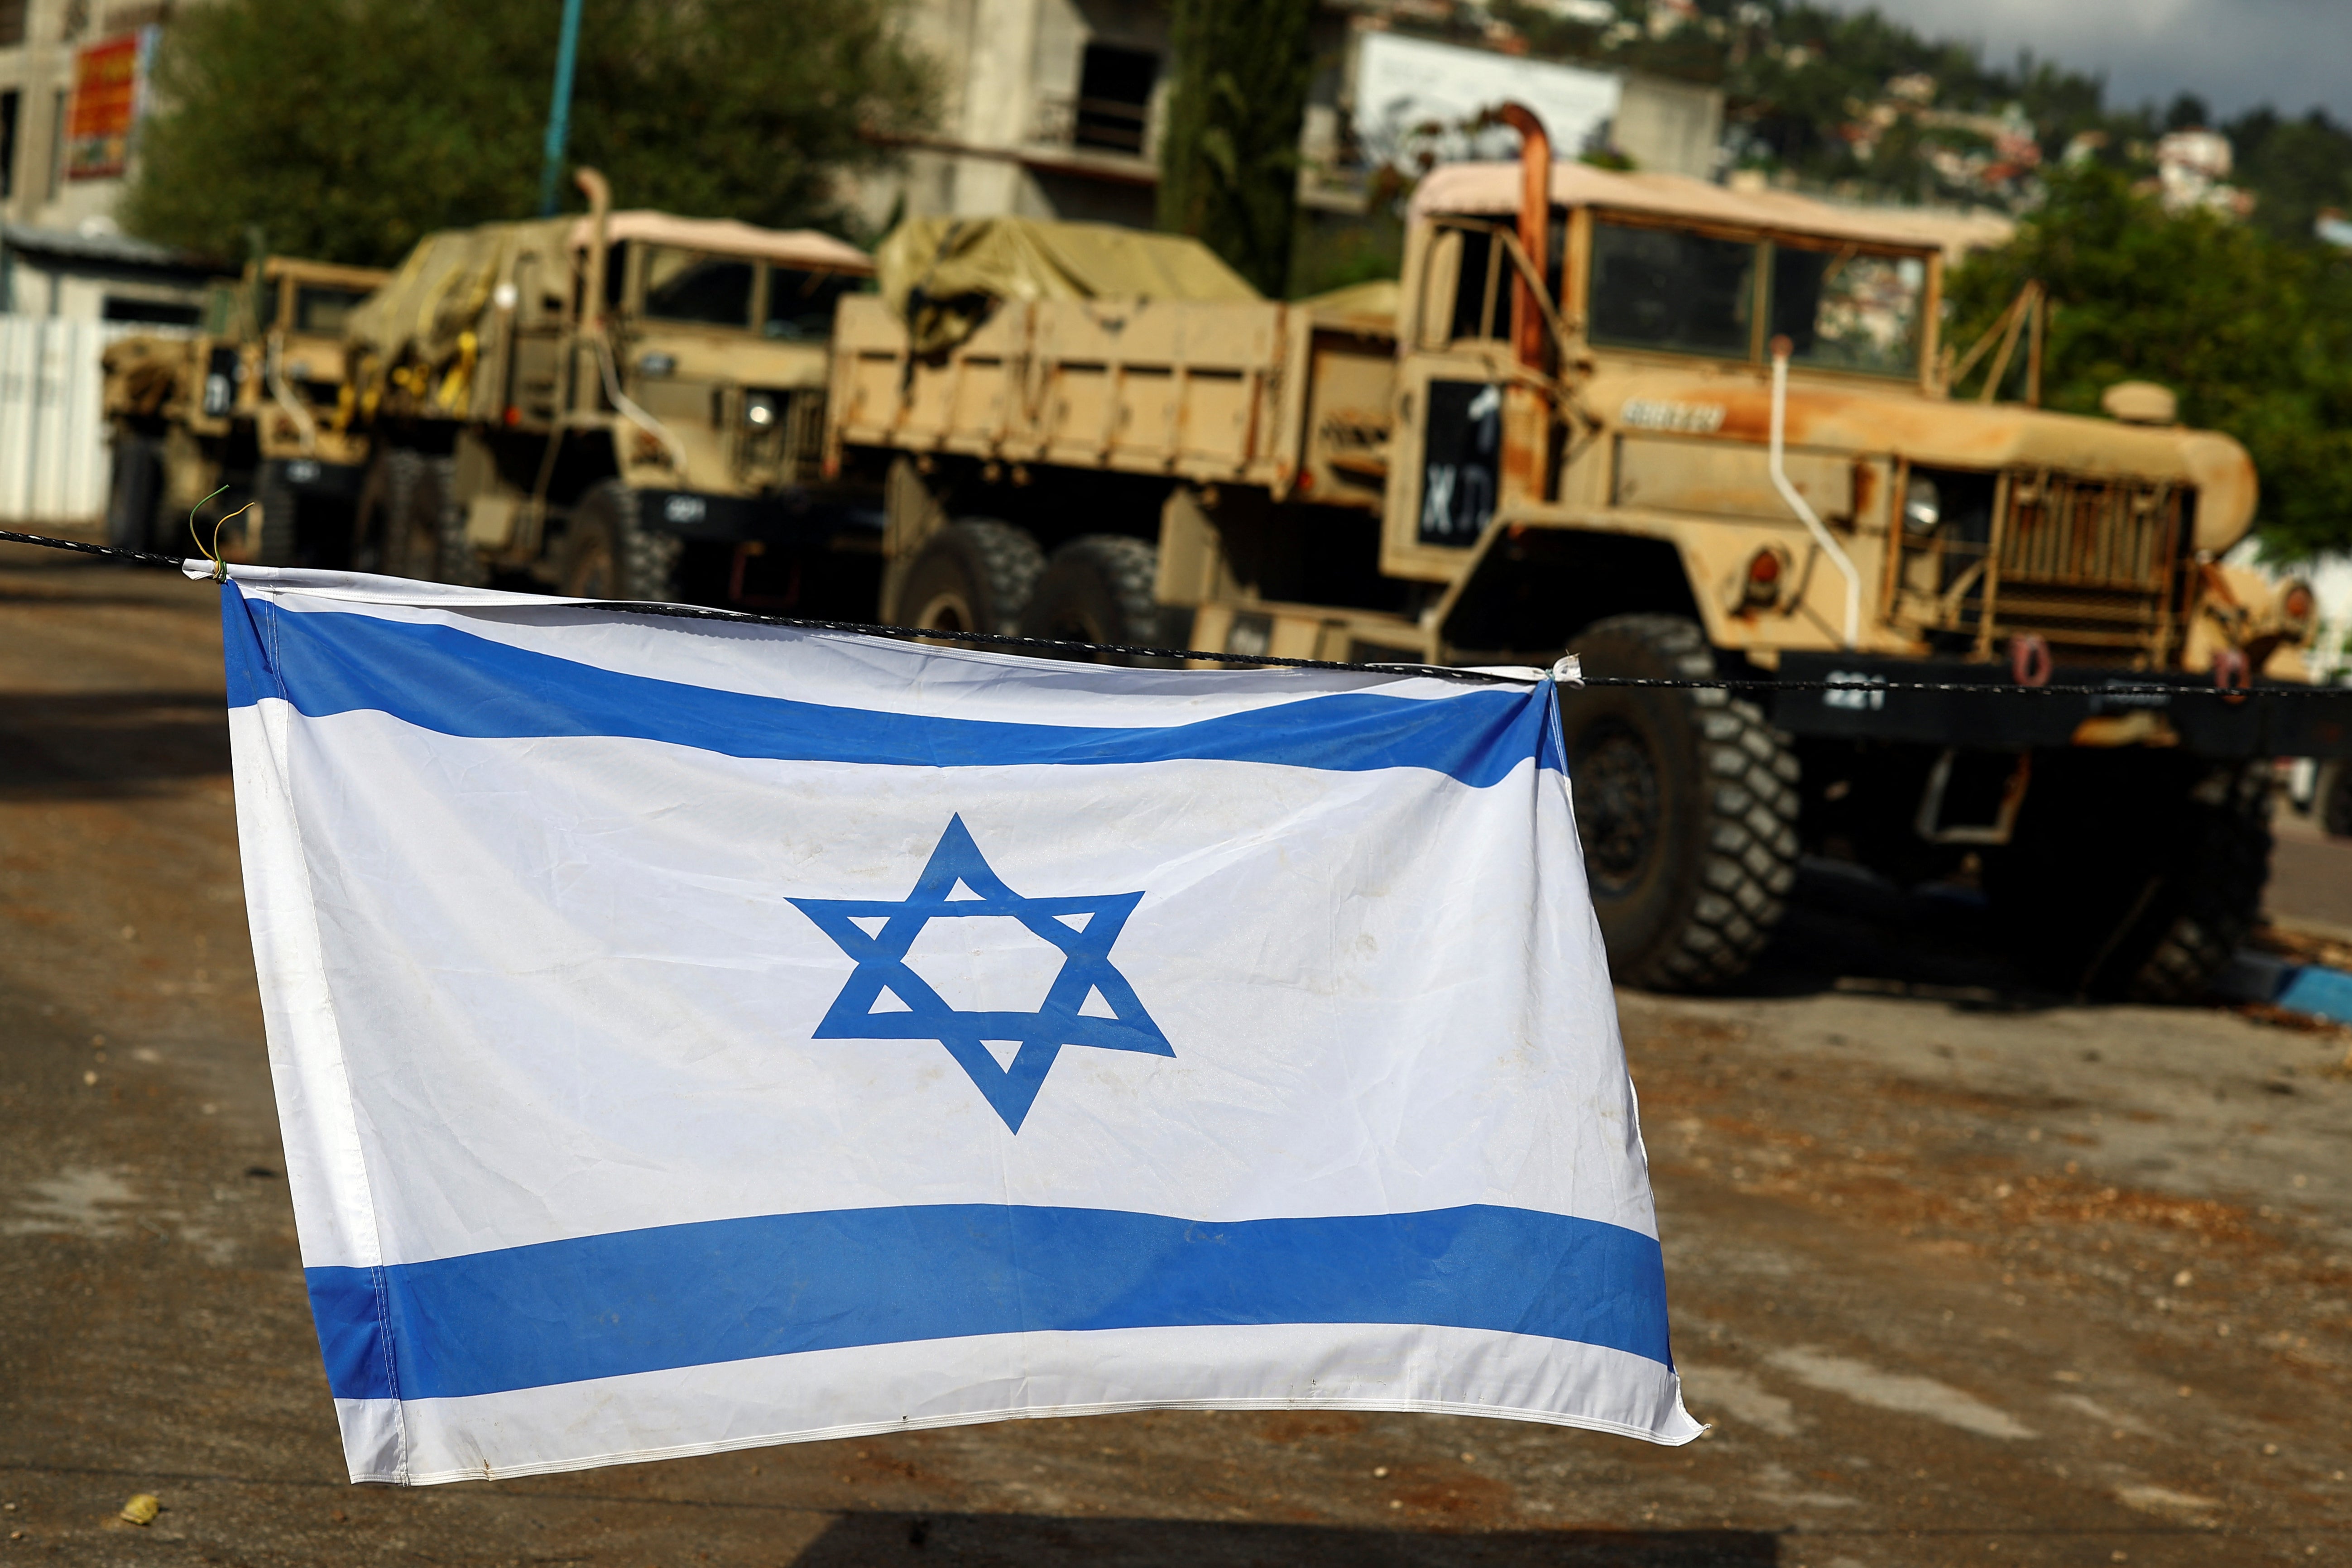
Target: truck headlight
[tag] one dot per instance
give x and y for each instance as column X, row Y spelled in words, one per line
column 1923, row 506
column 2297, row 604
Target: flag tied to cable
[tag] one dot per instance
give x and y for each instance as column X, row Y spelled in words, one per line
column 692, row 1035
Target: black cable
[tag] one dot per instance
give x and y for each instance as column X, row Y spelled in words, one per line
column 1441, row 671
column 135, row 557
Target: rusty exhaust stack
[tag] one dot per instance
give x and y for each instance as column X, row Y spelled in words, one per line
column 1535, row 229
column 599, row 211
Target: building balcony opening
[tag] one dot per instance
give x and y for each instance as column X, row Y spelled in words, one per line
column 1114, row 108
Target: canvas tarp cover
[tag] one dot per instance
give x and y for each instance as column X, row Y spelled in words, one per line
column 1379, row 298
column 442, row 288
column 942, row 275
column 446, row 282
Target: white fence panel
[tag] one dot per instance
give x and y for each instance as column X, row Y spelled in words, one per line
column 53, row 453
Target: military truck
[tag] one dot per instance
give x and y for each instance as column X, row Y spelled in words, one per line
column 248, row 404
column 1686, row 433
column 617, row 405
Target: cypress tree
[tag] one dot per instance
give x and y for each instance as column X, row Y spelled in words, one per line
column 1229, row 156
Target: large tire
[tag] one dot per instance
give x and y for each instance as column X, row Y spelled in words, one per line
column 607, row 551
column 135, row 492
column 976, row 574
column 372, row 548
column 454, row 558
column 400, row 525
column 276, row 535
column 2133, row 876
column 1686, row 805
column 410, row 524
column 1097, row 589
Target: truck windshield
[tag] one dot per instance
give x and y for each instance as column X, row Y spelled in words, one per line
column 324, row 311
column 1661, row 288
column 685, row 286
column 1844, row 310
column 800, row 303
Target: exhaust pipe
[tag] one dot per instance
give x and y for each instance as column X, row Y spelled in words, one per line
column 1535, row 229
column 600, row 214
column 1782, row 348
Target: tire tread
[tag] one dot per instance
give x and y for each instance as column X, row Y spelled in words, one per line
column 1748, row 843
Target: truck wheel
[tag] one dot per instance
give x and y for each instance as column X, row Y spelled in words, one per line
column 2122, row 885
column 1686, row 803
column 401, row 522
column 455, row 560
column 1097, row 589
column 976, row 574
column 424, row 532
column 609, row 554
column 278, row 510
column 133, row 491
column 372, row 548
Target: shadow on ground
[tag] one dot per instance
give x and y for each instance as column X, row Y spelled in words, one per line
column 861, row 1539
column 1851, row 930
column 89, row 743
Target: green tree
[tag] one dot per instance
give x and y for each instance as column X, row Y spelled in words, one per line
column 2296, row 168
column 348, row 129
column 2252, row 332
column 1229, row 157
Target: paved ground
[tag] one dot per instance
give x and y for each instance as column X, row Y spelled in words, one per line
column 2312, row 874
column 1961, row 1276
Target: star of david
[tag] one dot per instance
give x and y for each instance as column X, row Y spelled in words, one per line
column 1089, row 1002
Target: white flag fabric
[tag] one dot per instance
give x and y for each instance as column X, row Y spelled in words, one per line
column 693, row 1034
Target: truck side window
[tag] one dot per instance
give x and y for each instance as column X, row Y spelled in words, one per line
column 1845, row 311
column 324, row 311
column 801, row 302
column 1659, row 288
column 1485, row 304
column 684, row 285
column 1482, row 290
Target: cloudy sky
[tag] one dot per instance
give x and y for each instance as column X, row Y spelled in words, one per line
column 2235, row 54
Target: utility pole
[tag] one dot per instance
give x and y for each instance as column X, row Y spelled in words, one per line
column 558, row 112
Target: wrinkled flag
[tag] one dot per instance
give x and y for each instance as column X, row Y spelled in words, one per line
column 692, row 1035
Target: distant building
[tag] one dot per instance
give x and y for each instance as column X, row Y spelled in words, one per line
column 73, row 94
column 1049, row 109
column 2193, row 172
column 1055, row 108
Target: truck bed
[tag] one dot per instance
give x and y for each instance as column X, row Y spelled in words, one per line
column 1260, row 393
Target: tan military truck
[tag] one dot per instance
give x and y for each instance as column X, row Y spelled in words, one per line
column 1687, row 433
column 248, row 404
column 622, row 404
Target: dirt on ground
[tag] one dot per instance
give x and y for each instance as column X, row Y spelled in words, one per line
column 1959, row 1273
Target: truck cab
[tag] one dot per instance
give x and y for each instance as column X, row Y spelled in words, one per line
column 247, row 408
column 626, row 405
column 1939, row 527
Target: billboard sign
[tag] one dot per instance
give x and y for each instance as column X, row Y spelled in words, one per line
column 1415, row 98
column 110, row 94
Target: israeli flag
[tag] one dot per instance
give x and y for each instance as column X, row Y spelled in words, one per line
column 690, row 1034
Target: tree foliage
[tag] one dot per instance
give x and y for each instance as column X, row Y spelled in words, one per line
column 1229, row 157
column 345, row 130
column 2253, row 333
column 1797, row 77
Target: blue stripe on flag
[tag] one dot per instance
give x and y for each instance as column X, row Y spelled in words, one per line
column 441, row 678
column 687, row 1295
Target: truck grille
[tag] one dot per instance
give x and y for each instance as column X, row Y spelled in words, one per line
column 2091, row 565
column 2088, row 563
